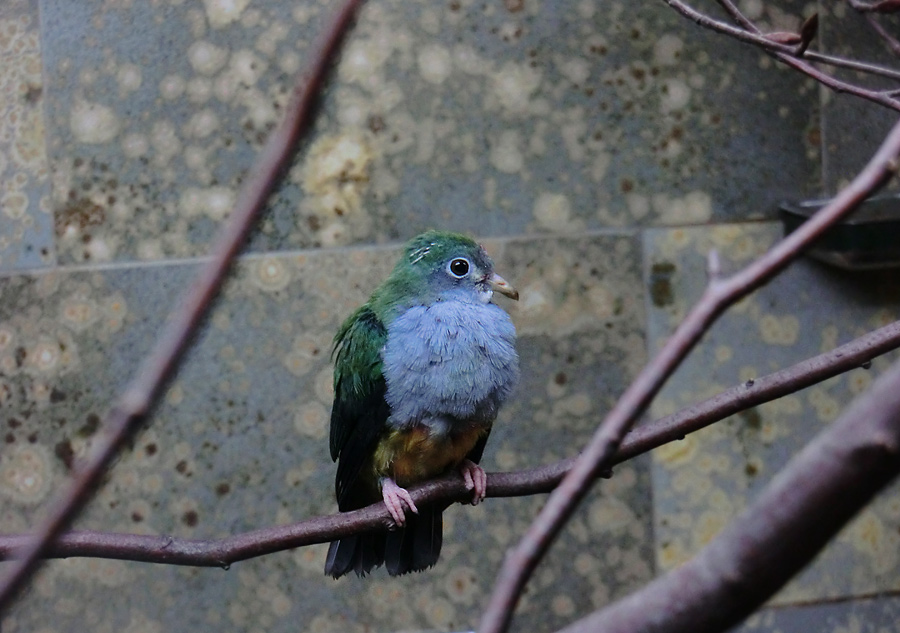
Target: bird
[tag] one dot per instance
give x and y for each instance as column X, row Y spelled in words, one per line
column 420, row 372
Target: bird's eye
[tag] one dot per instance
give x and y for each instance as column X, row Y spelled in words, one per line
column 459, row 267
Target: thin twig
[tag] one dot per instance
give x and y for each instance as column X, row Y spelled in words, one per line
column 788, row 55
column 831, row 60
column 138, row 399
column 880, row 6
column 521, row 562
column 796, row 515
column 222, row 552
column 892, row 43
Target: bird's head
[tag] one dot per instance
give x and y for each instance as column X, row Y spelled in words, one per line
column 439, row 266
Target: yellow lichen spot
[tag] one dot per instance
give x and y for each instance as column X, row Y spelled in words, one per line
column 14, row 204
column 513, row 86
column 677, row 453
column 165, row 140
column 7, row 336
column 128, row 78
column 215, row 202
column 25, row 473
column 609, row 514
column 438, row 612
column 175, row 395
column 206, row 58
column 335, row 176
column 115, row 310
column 45, row 356
column 203, row 123
column 78, row 313
column 135, row 145
column 281, row 604
column 93, row 123
column 506, row 154
column 223, row 12
column 247, row 67
column 827, row 408
column 553, row 212
column 708, row 526
column 723, row 353
column 578, row 404
column 675, row 95
column 461, row 584
column 779, row 331
column 28, row 145
column 671, row 555
column 667, row 50
column 694, row 207
column 324, row 386
column 306, row 350
column 563, row 606
column 311, row 421
column 271, row 274
column 435, row 64
column 638, row 205
column 859, row 381
column 871, row 536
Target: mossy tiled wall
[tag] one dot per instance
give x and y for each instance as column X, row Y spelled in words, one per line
column 598, row 149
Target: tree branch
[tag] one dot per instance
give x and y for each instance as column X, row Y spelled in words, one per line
column 223, row 552
column 821, row 489
column 793, row 56
column 521, row 562
column 139, row 397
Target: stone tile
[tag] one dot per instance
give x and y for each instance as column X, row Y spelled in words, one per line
column 702, row 482
column 852, row 128
column 240, row 441
column 26, row 227
column 863, row 616
column 491, row 118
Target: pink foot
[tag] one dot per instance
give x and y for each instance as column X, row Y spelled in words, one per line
column 395, row 498
column 475, row 479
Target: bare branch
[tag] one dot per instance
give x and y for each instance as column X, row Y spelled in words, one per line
column 882, row 6
column 890, row 40
column 789, row 54
column 821, row 489
column 223, row 552
column 138, row 399
column 521, row 562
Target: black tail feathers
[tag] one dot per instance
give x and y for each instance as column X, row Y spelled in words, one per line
column 412, row 548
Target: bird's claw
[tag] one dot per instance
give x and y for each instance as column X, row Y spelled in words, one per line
column 397, row 499
column 475, row 479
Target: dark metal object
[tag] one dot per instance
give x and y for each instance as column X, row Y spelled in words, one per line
column 868, row 239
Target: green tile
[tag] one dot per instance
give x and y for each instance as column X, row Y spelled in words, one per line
column 702, row 482
column 240, row 440
column 500, row 121
column 26, row 225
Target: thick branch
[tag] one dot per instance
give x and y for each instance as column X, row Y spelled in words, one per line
column 136, row 402
column 821, row 489
column 720, row 294
column 223, row 552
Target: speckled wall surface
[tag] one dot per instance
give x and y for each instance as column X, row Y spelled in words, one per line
column 577, row 138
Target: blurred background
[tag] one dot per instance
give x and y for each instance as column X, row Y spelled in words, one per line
column 598, row 149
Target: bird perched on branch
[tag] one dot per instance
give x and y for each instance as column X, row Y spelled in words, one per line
column 421, row 370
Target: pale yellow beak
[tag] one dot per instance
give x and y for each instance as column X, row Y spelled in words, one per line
column 499, row 284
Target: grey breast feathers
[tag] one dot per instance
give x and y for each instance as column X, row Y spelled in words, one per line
column 449, row 359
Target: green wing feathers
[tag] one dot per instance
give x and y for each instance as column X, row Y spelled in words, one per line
column 360, row 412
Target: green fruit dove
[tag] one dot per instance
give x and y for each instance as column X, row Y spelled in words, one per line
column 421, row 370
